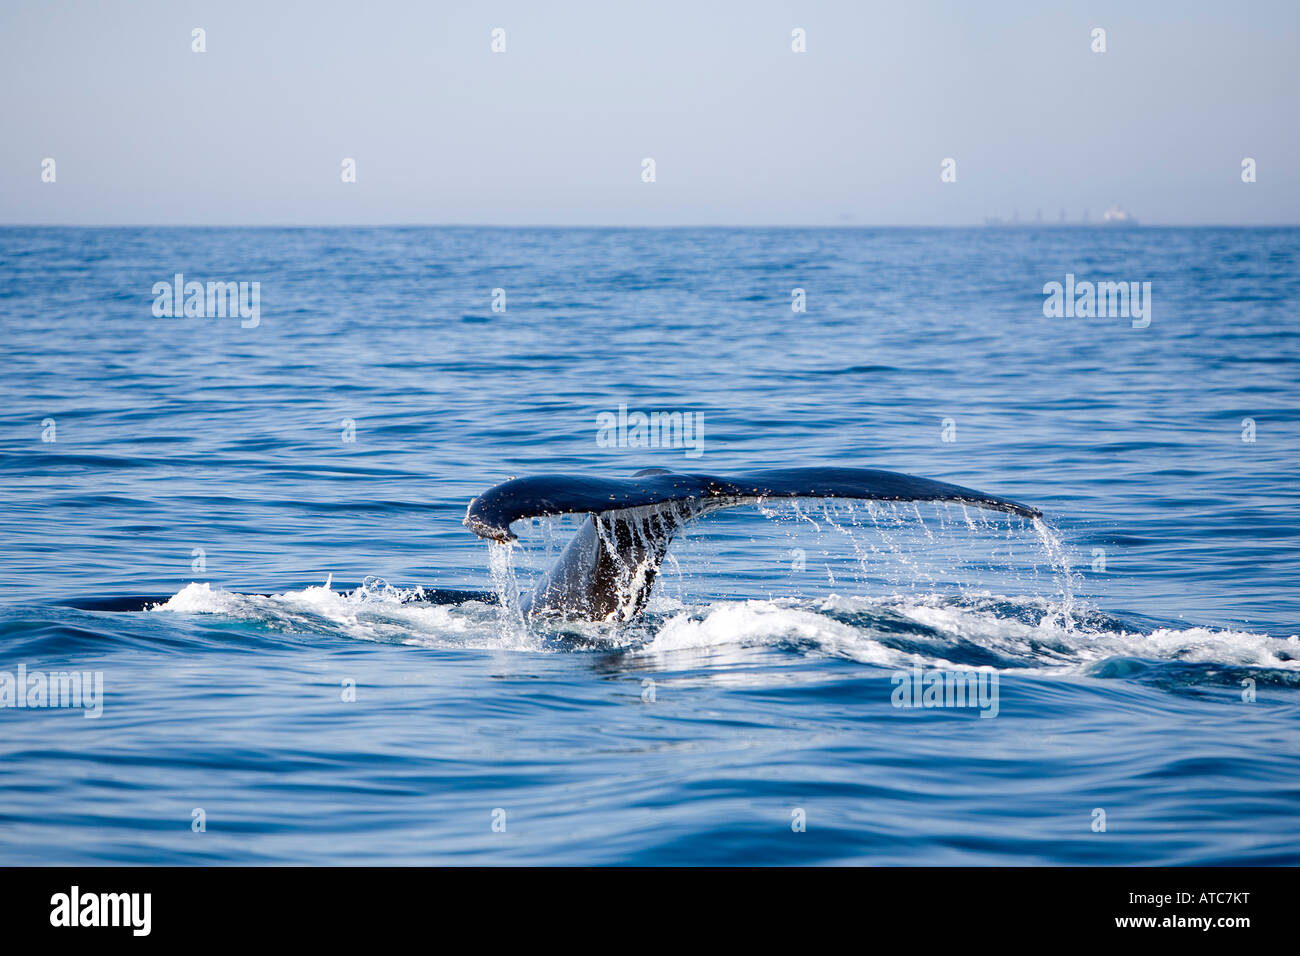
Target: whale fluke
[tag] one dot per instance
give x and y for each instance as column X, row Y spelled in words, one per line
column 607, row 570
column 491, row 513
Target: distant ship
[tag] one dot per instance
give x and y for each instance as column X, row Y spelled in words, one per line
column 1115, row 216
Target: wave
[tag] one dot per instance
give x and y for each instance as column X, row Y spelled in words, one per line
column 971, row 630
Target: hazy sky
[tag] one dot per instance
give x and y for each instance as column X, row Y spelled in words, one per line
column 554, row 130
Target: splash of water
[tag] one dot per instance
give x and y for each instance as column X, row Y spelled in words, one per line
column 1059, row 559
column 501, row 568
column 377, row 590
column 889, row 543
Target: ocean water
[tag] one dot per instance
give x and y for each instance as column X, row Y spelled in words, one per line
column 227, row 522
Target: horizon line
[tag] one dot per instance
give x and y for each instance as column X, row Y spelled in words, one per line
column 1003, row 224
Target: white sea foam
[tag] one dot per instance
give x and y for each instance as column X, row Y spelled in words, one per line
column 766, row 624
column 896, row 631
column 373, row 613
column 1051, row 642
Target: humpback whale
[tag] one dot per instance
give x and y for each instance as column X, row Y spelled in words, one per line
column 607, row 570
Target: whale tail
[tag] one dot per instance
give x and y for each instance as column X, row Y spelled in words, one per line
column 607, row 570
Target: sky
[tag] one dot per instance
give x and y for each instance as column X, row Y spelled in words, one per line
column 742, row 129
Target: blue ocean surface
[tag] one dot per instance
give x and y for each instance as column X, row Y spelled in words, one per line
column 226, row 519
